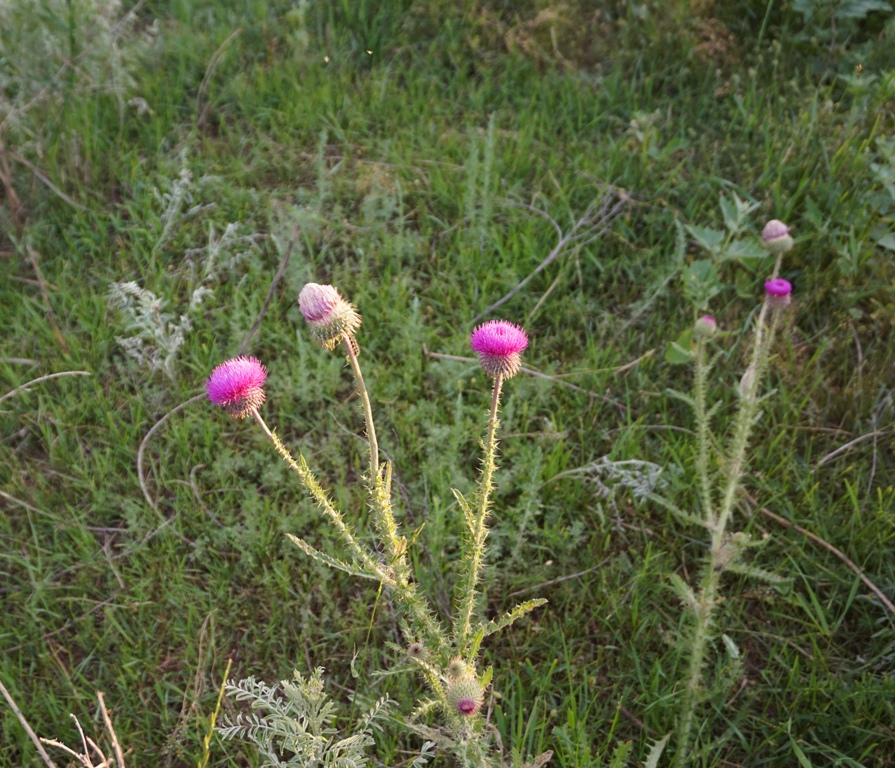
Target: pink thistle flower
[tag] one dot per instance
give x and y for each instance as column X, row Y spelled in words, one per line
column 329, row 316
column 499, row 344
column 237, row 386
column 465, row 696
column 777, row 293
column 775, row 237
column 705, row 327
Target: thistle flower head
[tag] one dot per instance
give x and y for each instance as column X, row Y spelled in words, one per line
column 465, row 696
column 777, row 293
column 705, row 327
column 329, row 316
column 416, row 650
column 775, row 237
column 499, row 345
column 457, row 668
column 237, row 386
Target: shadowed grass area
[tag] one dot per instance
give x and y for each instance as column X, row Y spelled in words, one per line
column 403, row 171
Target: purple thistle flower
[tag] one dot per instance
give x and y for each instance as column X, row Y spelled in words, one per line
column 499, row 344
column 775, row 237
column 777, row 293
column 237, row 386
column 329, row 316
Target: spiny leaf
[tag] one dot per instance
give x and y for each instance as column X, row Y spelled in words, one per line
column 508, row 618
column 655, row 752
column 332, row 562
column 684, row 517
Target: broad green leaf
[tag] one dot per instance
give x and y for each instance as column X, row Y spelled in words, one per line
column 708, row 238
column 887, row 241
column 701, row 283
column 744, row 249
column 678, row 351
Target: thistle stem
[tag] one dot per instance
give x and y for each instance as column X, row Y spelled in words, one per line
column 300, row 467
column 479, row 530
column 703, row 435
column 372, row 444
column 704, row 607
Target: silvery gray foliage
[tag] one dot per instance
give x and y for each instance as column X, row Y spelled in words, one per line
column 155, row 333
column 53, row 47
column 640, row 478
column 292, row 725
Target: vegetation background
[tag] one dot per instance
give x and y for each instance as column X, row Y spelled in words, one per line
column 157, row 160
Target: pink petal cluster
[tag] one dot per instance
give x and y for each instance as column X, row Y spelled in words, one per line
column 499, row 344
column 237, row 386
column 777, row 293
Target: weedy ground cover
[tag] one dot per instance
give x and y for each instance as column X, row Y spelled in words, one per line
column 418, row 155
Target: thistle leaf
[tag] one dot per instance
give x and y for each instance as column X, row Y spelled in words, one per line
column 332, row 562
column 684, row 517
column 508, row 618
column 655, row 752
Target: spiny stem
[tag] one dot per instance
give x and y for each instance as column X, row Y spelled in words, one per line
column 307, row 478
column 479, row 530
column 703, row 436
column 704, row 607
column 372, row 445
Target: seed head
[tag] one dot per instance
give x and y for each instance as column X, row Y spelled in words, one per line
column 775, row 237
column 329, row 316
column 465, row 696
column 705, row 327
column 237, row 386
column 777, row 293
column 499, row 345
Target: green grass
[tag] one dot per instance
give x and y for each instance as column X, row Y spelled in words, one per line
column 371, row 155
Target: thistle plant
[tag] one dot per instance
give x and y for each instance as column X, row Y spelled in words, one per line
column 719, row 474
column 446, row 655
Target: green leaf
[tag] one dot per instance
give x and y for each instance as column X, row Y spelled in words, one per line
column 678, row 351
column 887, row 241
column 332, row 562
column 736, row 212
column 619, row 757
column 744, row 249
column 508, row 618
column 701, row 283
column 708, row 238
column 800, row 755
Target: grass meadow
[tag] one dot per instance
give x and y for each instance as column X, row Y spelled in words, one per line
column 427, row 158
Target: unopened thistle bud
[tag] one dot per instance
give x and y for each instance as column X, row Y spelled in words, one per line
column 777, row 293
column 457, row 668
column 775, row 237
column 465, row 696
column 329, row 316
column 416, row 650
column 705, row 327
column 237, row 386
column 499, row 345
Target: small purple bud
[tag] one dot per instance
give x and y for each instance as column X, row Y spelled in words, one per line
column 705, row 327
column 777, row 293
column 330, row 318
column 775, row 237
